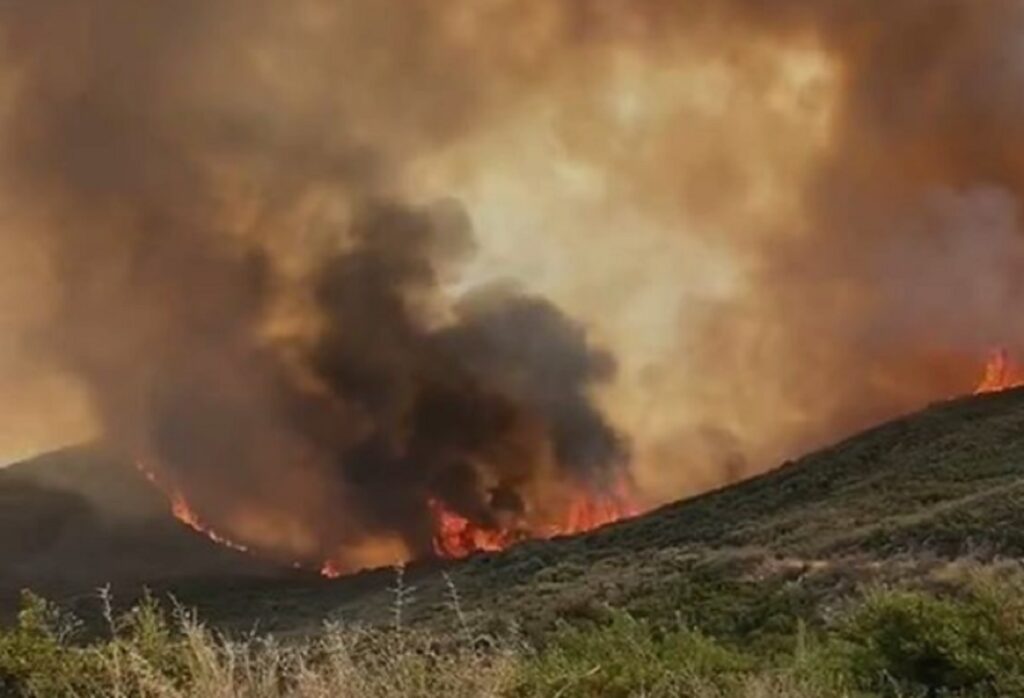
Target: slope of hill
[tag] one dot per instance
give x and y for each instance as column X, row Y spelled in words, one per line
column 74, row 520
column 896, row 502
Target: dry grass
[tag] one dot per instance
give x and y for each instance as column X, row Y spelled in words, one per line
column 363, row 664
column 961, row 633
column 149, row 654
column 341, row 663
column 151, row 657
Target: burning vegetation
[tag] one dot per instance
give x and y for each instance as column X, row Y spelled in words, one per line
column 361, row 283
column 455, row 536
column 1002, row 372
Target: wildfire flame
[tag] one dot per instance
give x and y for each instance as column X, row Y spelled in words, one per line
column 458, row 537
column 1001, row 373
column 184, row 513
column 455, row 536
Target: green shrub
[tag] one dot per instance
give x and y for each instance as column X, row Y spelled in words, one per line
column 901, row 642
column 625, row 657
column 37, row 657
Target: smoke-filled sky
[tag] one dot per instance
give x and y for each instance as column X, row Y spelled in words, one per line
column 326, row 260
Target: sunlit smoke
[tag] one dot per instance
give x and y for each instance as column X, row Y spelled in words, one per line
column 361, row 282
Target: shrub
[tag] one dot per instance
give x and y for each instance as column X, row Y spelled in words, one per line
column 625, row 657
column 149, row 654
column 918, row 643
column 968, row 642
column 36, row 657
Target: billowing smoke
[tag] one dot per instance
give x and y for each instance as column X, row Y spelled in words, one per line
column 325, row 262
column 390, row 405
column 310, row 387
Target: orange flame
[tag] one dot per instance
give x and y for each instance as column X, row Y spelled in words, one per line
column 185, row 514
column 586, row 513
column 1001, row 373
column 457, row 537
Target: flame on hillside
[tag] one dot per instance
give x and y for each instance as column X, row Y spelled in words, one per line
column 184, row 513
column 457, row 537
column 1002, row 372
column 454, row 536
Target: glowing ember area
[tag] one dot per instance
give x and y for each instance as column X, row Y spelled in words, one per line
column 1001, row 373
column 331, row 570
column 458, row 537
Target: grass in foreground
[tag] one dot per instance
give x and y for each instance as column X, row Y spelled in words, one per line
column 961, row 641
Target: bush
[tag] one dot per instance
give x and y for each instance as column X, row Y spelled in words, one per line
column 37, row 658
column 624, row 657
column 908, row 642
column 967, row 643
column 149, row 654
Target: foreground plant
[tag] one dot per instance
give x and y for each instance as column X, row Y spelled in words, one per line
column 966, row 642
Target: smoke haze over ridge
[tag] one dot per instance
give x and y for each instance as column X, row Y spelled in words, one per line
column 268, row 246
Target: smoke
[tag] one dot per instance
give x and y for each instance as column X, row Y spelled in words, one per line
column 904, row 263
column 297, row 370
column 327, row 262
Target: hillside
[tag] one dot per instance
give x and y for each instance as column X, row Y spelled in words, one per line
column 913, row 494
column 74, row 520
